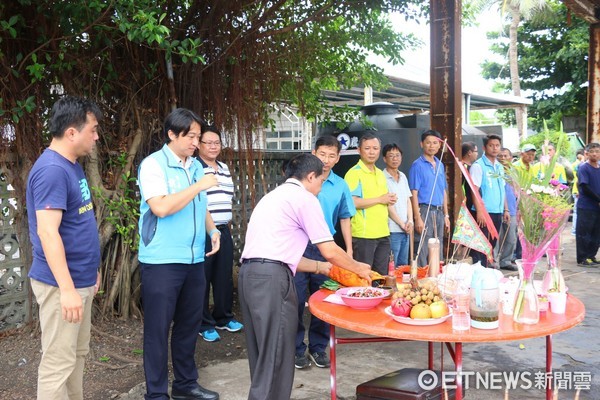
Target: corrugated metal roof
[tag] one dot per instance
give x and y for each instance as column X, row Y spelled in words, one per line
column 413, row 96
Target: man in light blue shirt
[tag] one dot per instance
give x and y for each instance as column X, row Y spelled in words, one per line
column 338, row 205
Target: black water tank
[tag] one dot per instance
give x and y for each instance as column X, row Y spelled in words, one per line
column 390, row 127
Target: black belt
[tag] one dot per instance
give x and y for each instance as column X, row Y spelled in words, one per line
column 264, row 261
column 439, row 208
column 222, row 227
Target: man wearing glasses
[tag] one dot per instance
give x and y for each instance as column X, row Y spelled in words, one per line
column 218, row 268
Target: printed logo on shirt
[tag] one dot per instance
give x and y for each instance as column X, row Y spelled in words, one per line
column 85, row 190
column 174, row 184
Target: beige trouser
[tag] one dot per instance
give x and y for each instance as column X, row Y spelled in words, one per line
column 64, row 344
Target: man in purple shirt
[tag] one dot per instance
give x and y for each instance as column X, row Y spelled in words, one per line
column 282, row 224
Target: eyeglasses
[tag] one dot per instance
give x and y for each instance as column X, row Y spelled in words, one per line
column 393, row 156
column 210, row 144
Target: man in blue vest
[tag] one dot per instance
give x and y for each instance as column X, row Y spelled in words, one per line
column 487, row 174
column 174, row 223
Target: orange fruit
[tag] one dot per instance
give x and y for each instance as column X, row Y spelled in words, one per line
column 420, row 311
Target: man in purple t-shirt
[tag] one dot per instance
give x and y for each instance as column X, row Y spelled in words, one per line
column 281, row 226
column 66, row 249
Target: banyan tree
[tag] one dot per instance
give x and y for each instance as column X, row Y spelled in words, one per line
column 227, row 60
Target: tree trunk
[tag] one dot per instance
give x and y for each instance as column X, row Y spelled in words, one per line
column 513, row 59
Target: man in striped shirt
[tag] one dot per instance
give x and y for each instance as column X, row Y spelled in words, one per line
column 218, row 268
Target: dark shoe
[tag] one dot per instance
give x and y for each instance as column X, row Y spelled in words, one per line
column 301, row 362
column 588, row 262
column 320, row 359
column 509, row 267
column 198, row 393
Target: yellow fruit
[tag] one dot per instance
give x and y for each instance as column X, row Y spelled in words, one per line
column 439, row 309
column 420, row 311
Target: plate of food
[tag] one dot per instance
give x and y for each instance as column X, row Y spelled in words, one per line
column 416, row 321
column 362, row 298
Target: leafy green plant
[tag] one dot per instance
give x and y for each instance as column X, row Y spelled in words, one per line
column 123, row 210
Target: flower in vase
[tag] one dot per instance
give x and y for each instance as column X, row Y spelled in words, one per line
column 542, row 210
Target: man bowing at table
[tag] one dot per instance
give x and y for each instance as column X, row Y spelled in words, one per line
column 281, row 226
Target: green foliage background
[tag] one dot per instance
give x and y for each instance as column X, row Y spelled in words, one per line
column 553, row 62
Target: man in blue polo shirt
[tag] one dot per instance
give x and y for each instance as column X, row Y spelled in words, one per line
column 427, row 181
column 487, row 174
column 337, row 204
column 506, row 245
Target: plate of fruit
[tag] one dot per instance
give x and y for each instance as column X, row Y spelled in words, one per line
column 421, row 305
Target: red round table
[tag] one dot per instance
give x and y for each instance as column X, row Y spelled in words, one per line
column 376, row 322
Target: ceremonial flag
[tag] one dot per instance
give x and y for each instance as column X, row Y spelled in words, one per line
column 476, row 197
column 467, row 233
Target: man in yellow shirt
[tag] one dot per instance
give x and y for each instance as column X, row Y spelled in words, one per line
column 368, row 186
column 527, row 158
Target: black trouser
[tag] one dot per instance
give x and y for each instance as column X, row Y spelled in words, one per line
column 375, row 252
column 270, row 309
column 587, row 233
column 171, row 293
column 497, row 220
column 218, row 270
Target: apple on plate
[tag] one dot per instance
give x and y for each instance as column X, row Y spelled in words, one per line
column 439, row 309
column 401, row 307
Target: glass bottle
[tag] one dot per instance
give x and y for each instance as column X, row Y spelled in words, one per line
column 414, row 271
column 527, row 309
column 553, row 278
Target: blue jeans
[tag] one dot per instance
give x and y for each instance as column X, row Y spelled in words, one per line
column 399, row 245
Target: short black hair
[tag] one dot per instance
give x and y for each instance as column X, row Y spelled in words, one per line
column 430, row 132
column 467, row 147
column 179, row 121
column 303, row 164
column 580, row 152
column 205, row 127
column 71, row 112
column 506, row 149
column 328, row 141
column 389, row 147
column 367, row 136
column 592, row 145
column 489, row 137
